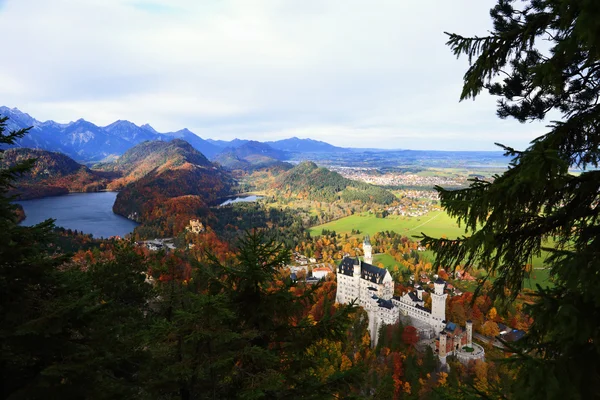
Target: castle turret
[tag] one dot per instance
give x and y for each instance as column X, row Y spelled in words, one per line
column 439, row 286
column 420, row 292
column 438, row 303
column 442, row 349
column 356, row 270
column 469, row 333
column 368, row 250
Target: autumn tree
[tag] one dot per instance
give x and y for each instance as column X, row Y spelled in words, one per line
column 541, row 58
column 410, row 336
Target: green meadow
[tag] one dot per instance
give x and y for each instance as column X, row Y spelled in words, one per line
column 387, row 260
column 434, row 223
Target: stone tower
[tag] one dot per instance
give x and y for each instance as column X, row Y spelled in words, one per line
column 469, row 333
column 438, row 303
column 442, row 349
column 368, row 250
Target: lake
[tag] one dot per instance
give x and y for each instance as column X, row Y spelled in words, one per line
column 241, row 199
column 85, row 212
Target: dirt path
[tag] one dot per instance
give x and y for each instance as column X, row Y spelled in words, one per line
column 424, row 223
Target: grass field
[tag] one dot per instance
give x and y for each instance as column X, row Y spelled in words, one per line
column 540, row 277
column 387, row 260
column 435, row 223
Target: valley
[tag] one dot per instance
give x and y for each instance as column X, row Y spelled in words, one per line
column 183, row 209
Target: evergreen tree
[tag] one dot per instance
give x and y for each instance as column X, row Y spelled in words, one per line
column 239, row 330
column 191, row 339
column 65, row 331
column 272, row 360
column 511, row 219
column 27, row 280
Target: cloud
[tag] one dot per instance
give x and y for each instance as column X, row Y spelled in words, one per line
column 154, row 7
column 355, row 73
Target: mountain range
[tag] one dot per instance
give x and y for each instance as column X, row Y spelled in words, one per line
column 89, row 143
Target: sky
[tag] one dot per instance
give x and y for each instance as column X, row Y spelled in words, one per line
column 354, row 73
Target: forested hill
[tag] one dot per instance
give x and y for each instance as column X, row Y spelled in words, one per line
column 52, row 174
column 164, row 184
column 317, row 183
column 153, row 155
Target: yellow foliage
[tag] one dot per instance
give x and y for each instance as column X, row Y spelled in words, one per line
column 346, row 363
column 366, row 339
column 443, row 377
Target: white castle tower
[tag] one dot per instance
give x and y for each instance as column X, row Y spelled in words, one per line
column 469, row 333
column 438, row 304
column 368, row 250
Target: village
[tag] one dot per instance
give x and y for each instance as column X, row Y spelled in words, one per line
column 373, row 176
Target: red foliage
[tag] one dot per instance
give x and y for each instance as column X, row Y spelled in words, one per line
column 326, row 291
column 410, row 337
column 398, row 373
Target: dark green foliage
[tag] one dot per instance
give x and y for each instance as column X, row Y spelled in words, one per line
column 537, row 198
column 64, row 332
column 273, row 361
column 99, row 318
column 191, row 340
column 284, row 226
column 27, row 280
column 238, row 331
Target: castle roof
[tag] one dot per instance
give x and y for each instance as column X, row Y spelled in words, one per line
column 385, row 304
column 440, row 281
column 372, row 273
column 346, row 267
column 368, row 272
column 367, row 240
column 414, row 297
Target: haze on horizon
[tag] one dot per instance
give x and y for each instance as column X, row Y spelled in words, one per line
column 351, row 73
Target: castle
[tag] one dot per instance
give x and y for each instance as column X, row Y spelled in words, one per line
column 195, row 226
column 373, row 289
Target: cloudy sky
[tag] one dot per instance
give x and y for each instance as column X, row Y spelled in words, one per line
column 368, row 73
